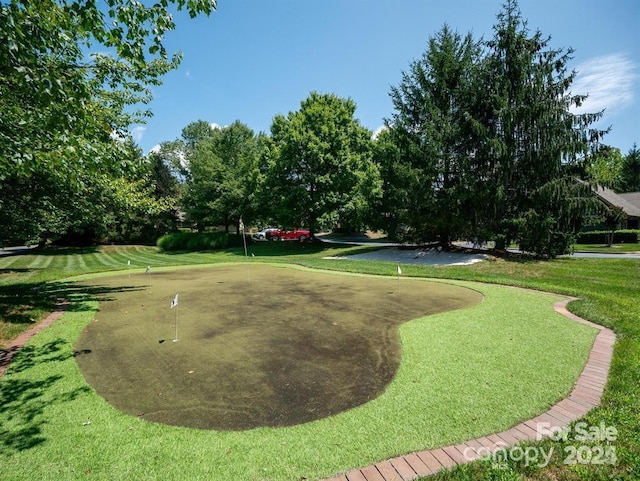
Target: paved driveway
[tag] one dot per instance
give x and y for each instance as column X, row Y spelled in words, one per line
column 403, row 254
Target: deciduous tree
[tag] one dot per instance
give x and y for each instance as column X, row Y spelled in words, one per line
column 223, row 174
column 605, row 168
column 320, row 171
column 70, row 72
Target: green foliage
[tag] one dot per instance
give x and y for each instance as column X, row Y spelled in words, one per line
column 530, row 137
column 624, row 236
column 223, row 177
column 63, row 111
column 113, row 205
column 56, row 99
column 630, row 171
column 318, row 165
column 486, row 144
column 427, row 176
column 550, row 229
column 606, row 168
column 198, row 241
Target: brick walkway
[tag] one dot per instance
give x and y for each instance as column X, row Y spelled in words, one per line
column 585, row 395
column 7, row 354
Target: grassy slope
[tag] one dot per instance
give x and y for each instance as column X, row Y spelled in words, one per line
column 609, row 288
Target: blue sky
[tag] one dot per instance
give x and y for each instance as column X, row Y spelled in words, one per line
column 254, row 59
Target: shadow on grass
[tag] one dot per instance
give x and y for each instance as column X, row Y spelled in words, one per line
column 63, row 251
column 23, row 303
column 23, row 400
column 17, row 270
column 26, row 303
column 81, row 295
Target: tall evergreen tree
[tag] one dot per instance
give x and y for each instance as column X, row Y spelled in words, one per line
column 488, row 146
column 631, row 170
column 530, row 143
column 430, row 130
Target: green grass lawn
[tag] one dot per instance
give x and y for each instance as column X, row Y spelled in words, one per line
column 615, row 248
column 54, row 427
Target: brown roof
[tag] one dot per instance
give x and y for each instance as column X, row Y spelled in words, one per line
column 632, row 197
column 630, row 203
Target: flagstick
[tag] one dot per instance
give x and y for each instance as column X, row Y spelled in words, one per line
column 175, row 303
column 246, row 255
column 175, row 339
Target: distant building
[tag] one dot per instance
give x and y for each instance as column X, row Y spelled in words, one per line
column 629, row 203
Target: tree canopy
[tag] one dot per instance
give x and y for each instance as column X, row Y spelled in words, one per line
column 223, row 175
column 70, row 72
column 488, row 142
column 483, row 143
column 320, row 172
column 605, row 168
column 431, row 134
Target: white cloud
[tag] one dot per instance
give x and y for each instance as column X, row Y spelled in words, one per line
column 137, row 133
column 609, row 82
column 378, row 131
column 155, row 149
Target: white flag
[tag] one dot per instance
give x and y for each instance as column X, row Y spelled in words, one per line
column 399, row 271
column 129, row 262
column 148, row 271
column 174, row 303
column 241, row 225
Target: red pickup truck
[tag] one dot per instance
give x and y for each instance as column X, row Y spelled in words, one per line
column 296, row 234
column 280, row 234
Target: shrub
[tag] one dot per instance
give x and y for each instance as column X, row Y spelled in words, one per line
column 198, row 241
column 602, row 237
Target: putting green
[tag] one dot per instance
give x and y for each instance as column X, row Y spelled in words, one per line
column 257, row 346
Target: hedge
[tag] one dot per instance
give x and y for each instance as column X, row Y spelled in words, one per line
column 198, row 241
column 602, row 237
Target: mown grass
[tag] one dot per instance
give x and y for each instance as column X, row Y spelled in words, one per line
column 608, row 291
column 613, row 249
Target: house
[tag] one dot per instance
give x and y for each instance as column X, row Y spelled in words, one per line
column 629, row 203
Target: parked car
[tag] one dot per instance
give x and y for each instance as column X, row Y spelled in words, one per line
column 265, row 234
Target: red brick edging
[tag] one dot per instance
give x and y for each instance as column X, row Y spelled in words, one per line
column 585, row 395
column 7, row 354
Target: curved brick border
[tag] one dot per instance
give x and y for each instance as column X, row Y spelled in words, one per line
column 585, row 395
column 7, row 355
